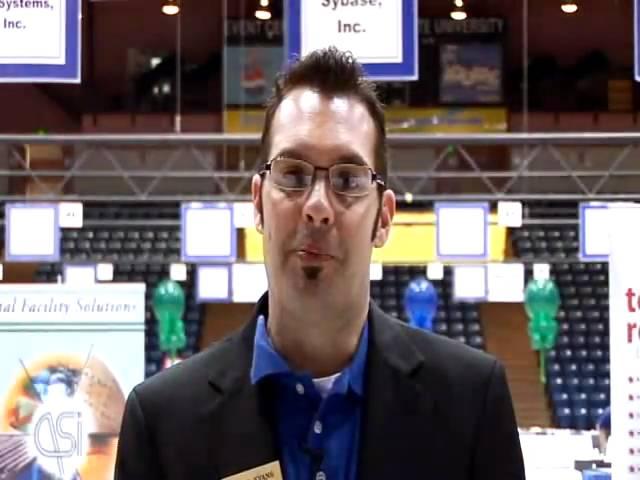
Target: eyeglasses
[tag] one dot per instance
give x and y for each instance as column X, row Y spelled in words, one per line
column 348, row 179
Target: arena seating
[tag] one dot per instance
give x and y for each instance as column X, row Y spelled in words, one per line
column 141, row 241
column 460, row 321
column 578, row 367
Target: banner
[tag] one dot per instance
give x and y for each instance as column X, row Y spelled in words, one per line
column 253, row 55
column 399, row 120
column 40, row 41
column 70, row 356
column 446, row 120
column 461, row 63
column 471, row 73
column 381, row 34
column 624, row 334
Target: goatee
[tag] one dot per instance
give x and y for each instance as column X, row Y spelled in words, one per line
column 312, row 272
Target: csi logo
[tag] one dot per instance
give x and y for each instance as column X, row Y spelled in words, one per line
column 62, row 435
column 59, row 441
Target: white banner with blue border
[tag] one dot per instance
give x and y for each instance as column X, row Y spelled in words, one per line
column 40, row 41
column 381, row 34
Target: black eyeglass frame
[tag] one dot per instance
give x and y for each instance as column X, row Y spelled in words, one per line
column 375, row 177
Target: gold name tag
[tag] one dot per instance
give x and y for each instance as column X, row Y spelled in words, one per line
column 270, row 471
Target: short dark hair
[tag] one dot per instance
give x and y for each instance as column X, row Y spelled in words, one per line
column 330, row 72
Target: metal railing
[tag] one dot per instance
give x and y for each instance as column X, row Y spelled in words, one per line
column 423, row 167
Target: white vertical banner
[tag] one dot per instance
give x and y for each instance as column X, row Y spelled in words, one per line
column 624, row 328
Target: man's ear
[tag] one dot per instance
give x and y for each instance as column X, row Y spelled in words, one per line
column 387, row 212
column 256, row 197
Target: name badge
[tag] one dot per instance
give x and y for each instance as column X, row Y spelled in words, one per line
column 269, row 471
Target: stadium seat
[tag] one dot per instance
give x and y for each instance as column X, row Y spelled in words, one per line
column 476, row 341
column 582, row 420
column 564, row 417
column 594, row 415
column 573, row 384
column 556, row 384
column 554, row 369
column 561, row 399
column 588, row 369
column 582, row 354
column 441, row 328
column 571, row 369
column 579, row 400
column 588, row 384
column 598, row 399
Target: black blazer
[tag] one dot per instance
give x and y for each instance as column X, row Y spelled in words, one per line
column 434, row 409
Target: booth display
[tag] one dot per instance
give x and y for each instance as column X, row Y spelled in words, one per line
column 65, row 379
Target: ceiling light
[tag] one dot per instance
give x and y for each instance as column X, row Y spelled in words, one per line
column 170, row 7
column 458, row 14
column 569, row 6
column 263, row 14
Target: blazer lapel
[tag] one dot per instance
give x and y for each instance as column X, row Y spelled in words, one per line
column 398, row 424
column 242, row 433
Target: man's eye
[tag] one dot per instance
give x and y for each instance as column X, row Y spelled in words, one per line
column 294, row 177
column 348, row 180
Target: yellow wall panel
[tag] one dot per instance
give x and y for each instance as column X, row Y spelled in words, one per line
column 412, row 241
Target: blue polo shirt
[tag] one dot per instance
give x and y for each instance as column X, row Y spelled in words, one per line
column 318, row 434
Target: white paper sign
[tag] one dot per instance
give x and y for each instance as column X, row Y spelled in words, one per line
column 469, row 282
column 79, row 274
column 435, row 271
column 32, row 231
column 541, row 271
column 208, row 233
column 624, row 348
column 370, row 29
column 594, row 231
column 104, row 272
column 178, row 272
column 243, row 215
column 510, row 214
column 213, row 283
column 33, row 32
column 505, row 282
column 249, row 282
column 70, row 215
column 375, row 271
column 462, row 231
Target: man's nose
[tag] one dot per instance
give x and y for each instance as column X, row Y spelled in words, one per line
column 318, row 209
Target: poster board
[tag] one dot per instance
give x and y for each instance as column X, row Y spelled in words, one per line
column 64, row 377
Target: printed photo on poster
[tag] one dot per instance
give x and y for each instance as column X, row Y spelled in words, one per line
column 471, row 73
column 250, row 72
column 64, row 380
column 61, row 416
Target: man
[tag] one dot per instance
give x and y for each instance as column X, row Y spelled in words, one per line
column 321, row 384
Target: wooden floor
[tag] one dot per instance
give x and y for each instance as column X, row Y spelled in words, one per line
column 506, row 337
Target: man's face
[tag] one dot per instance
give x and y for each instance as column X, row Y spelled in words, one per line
column 317, row 238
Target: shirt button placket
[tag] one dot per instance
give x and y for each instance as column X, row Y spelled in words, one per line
column 321, row 476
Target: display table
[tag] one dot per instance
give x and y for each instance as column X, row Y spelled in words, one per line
column 596, row 475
